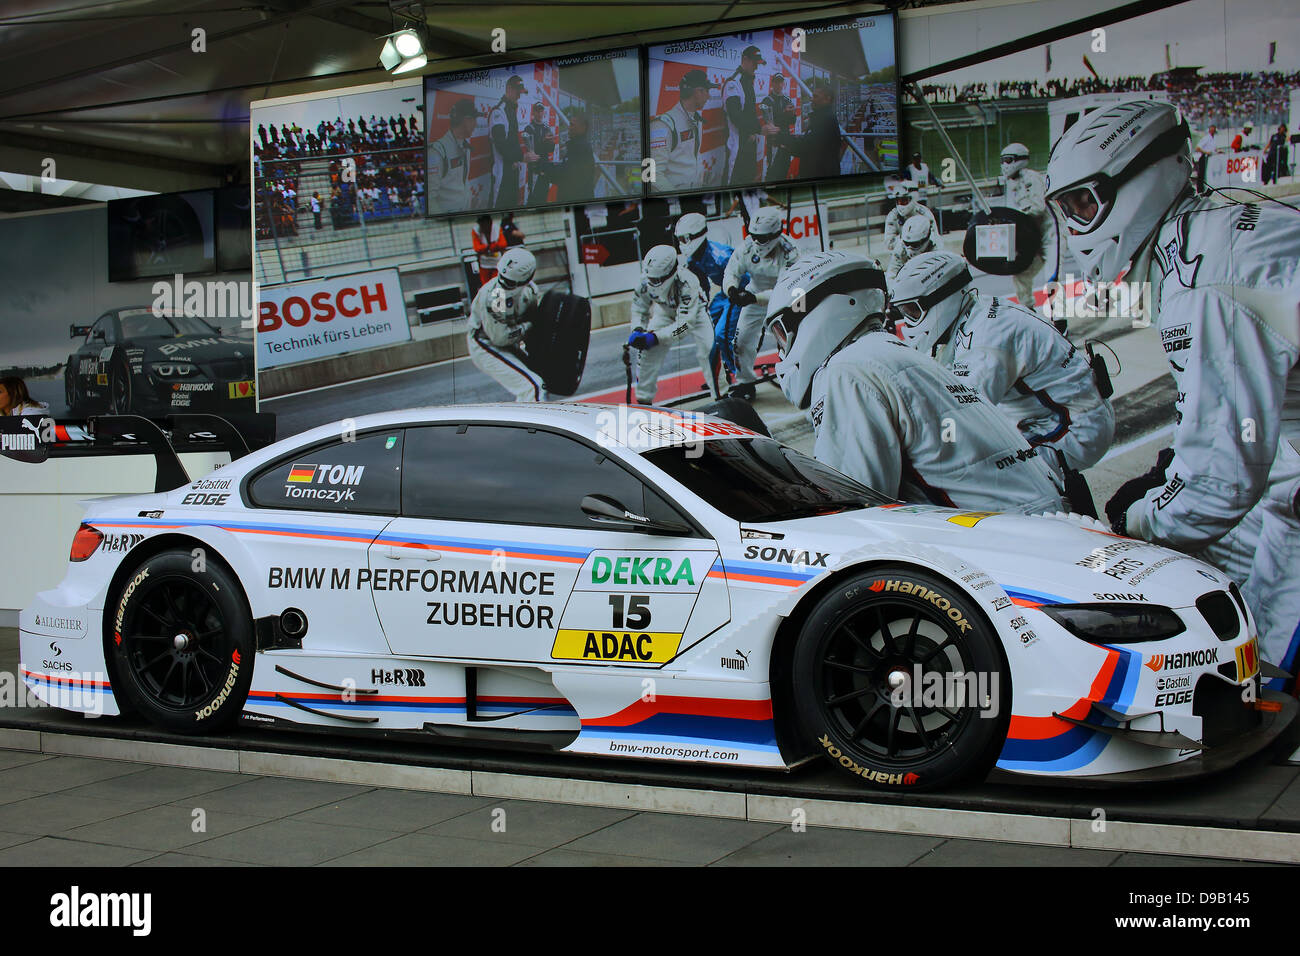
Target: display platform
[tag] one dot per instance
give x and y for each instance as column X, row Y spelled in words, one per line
column 1250, row 813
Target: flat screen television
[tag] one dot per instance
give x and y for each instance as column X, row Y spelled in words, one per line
column 809, row 101
column 234, row 229
column 558, row 132
column 161, row 235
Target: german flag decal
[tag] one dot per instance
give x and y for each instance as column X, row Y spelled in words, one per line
column 302, row 472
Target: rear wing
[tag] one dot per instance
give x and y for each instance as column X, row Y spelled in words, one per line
column 36, row 438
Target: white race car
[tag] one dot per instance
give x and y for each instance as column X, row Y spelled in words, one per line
column 642, row 582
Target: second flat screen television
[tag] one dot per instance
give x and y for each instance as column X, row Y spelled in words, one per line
column 553, row 132
column 809, row 101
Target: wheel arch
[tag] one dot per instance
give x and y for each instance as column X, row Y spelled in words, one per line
column 157, row 544
column 801, row 604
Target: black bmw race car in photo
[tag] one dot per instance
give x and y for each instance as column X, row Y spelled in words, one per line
column 144, row 361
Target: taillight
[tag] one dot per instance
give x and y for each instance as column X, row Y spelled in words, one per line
column 85, row 542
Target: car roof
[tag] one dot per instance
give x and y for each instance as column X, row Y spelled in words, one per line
column 605, row 424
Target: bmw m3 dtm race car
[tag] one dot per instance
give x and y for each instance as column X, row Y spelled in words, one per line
column 648, row 583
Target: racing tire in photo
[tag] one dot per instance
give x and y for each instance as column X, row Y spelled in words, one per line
column 70, row 397
column 1028, row 240
column 899, row 681
column 182, row 643
column 120, row 387
column 558, row 339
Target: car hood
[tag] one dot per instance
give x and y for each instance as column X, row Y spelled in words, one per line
column 196, row 348
column 1037, row 560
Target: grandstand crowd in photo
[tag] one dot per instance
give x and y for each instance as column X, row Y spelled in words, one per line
column 339, row 172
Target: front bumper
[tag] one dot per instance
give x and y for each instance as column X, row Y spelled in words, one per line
column 1212, row 759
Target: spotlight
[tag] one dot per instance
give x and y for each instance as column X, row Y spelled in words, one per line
column 403, row 51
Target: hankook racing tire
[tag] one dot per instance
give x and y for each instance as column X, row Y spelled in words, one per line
column 898, row 680
column 738, row 412
column 182, row 643
column 1028, row 240
column 557, row 341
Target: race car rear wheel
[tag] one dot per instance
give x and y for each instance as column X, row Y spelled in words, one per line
column 182, row 643
column 898, row 680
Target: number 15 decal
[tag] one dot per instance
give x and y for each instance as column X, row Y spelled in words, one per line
column 638, row 612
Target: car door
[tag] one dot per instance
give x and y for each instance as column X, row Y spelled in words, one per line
column 494, row 559
column 313, row 516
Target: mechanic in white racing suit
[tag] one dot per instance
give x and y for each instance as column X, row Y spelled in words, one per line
column 708, row 260
column 906, row 205
column 914, row 240
column 1026, row 191
column 764, row 254
column 499, row 317
column 886, row 415
column 1013, row 357
column 668, row 304
column 1225, row 277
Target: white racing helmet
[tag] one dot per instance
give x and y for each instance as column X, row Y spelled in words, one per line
column 926, row 297
column 690, row 233
column 1015, row 157
column 820, row 304
column 658, row 266
column 516, row 267
column 765, row 227
column 1113, row 176
column 916, row 235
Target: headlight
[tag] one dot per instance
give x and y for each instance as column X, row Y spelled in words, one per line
column 1116, row 623
column 174, row 369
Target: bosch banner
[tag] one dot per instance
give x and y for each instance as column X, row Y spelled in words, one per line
column 311, row 320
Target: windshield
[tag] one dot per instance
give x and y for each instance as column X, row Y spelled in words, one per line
column 145, row 324
column 758, row 479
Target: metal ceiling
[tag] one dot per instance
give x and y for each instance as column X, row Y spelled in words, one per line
column 116, row 90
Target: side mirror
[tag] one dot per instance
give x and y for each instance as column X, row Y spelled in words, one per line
column 78, row 331
column 606, row 511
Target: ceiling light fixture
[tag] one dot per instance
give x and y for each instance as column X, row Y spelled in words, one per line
column 404, row 49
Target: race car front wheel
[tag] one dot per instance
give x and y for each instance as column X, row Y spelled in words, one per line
column 119, row 387
column 70, row 398
column 899, row 681
column 182, row 643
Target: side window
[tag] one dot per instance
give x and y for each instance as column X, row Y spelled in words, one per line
column 510, row 475
column 101, row 333
column 362, row 476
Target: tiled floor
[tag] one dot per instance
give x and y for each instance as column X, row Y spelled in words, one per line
column 80, row 812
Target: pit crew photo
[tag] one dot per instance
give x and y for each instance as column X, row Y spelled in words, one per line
column 730, row 434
